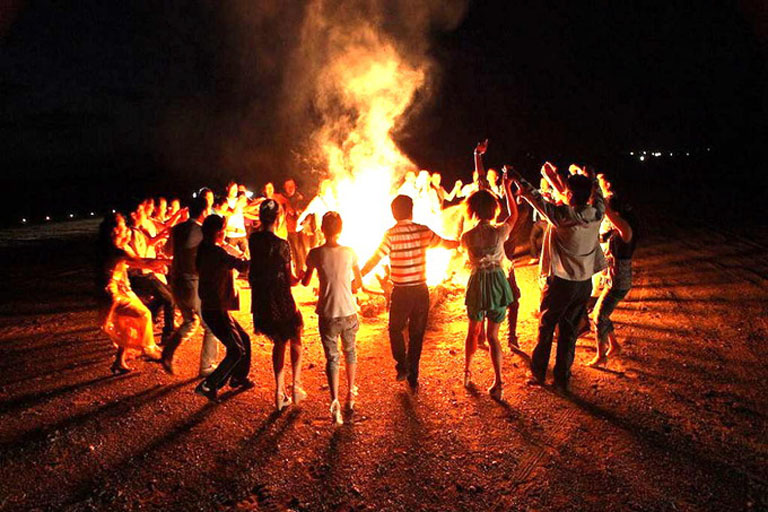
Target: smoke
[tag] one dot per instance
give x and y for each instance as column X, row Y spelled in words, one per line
column 309, row 89
column 359, row 68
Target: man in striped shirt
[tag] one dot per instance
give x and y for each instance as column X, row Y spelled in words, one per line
column 406, row 244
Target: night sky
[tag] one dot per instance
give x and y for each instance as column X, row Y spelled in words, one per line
column 105, row 101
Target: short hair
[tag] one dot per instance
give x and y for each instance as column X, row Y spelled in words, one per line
column 212, row 225
column 331, row 225
column 581, row 188
column 197, row 207
column 269, row 209
column 402, row 207
column 483, row 205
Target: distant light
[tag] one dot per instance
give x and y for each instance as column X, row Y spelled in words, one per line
column 642, row 158
column 47, row 218
column 631, row 153
column 687, row 154
column 113, row 211
column 709, row 149
column 92, row 214
column 671, row 154
column 23, row 221
column 194, row 195
column 644, row 152
column 71, row 215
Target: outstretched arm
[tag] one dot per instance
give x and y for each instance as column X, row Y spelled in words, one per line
column 357, row 282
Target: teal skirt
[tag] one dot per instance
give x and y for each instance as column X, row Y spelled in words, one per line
column 488, row 295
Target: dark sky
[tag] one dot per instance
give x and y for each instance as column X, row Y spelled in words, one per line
column 170, row 92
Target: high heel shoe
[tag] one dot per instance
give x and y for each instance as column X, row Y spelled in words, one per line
column 298, row 394
column 467, row 379
column 496, row 392
column 336, row 413
column 351, row 398
column 282, row 400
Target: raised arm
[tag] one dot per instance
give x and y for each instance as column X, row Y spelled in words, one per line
column 511, row 203
column 533, row 197
column 549, row 172
column 480, row 150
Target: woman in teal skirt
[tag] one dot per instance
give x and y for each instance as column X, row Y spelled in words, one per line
column 488, row 290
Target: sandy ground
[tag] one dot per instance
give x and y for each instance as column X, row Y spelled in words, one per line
column 677, row 422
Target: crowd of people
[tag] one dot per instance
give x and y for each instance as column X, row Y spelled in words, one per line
column 162, row 258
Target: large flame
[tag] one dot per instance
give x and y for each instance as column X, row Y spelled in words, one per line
column 372, row 86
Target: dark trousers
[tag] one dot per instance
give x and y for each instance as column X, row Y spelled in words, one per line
column 563, row 304
column 150, row 285
column 410, row 306
column 514, row 308
column 237, row 362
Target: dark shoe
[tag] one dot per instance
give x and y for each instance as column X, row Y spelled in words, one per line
column 561, row 388
column 167, row 363
column 401, row 375
column 207, row 392
column 534, row 380
column 413, row 386
column 241, row 384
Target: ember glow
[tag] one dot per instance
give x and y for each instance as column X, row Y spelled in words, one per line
column 364, row 92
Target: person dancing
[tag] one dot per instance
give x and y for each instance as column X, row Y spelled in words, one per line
column 124, row 318
column 488, row 290
column 622, row 240
column 340, row 278
column 218, row 296
column 406, row 244
column 571, row 256
column 274, row 310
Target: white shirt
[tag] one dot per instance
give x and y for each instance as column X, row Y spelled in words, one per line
column 334, row 268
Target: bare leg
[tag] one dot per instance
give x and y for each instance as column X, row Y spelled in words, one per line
column 296, row 352
column 481, row 336
column 278, row 364
column 351, row 373
column 600, row 357
column 470, row 347
column 613, row 345
column 333, row 382
column 496, row 355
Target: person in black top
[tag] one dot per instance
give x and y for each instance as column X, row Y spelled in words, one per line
column 274, row 311
column 218, row 296
column 622, row 240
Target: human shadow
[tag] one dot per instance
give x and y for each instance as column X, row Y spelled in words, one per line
column 724, row 472
column 37, row 437
column 33, row 399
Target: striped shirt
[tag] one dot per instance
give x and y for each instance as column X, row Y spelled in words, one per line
column 406, row 244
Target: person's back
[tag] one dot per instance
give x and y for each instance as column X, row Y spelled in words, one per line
column 217, row 289
column 334, row 268
column 485, row 244
column 186, row 238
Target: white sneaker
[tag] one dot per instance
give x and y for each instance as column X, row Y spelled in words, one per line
column 336, row 413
